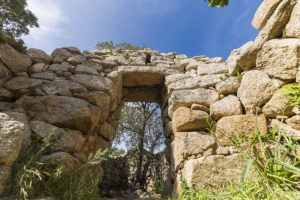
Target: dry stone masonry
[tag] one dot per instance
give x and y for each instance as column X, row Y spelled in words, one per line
column 82, row 95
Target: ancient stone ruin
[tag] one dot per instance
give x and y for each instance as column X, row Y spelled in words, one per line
column 82, row 94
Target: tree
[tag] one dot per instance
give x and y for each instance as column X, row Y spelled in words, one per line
column 14, row 22
column 125, row 46
column 214, row 3
column 114, row 151
column 140, row 127
column 15, row 18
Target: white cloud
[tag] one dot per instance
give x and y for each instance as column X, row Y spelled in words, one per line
column 50, row 16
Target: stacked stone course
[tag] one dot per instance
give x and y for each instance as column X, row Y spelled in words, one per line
column 85, row 92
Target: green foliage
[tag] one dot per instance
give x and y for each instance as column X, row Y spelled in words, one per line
column 31, row 177
column 226, row 74
column 239, row 77
column 17, row 44
column 15, row 18
column 292, row 92
column 213, row 3
column 114, row 151
column 125, row 46
column 158, row 187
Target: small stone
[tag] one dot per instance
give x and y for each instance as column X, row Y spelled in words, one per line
column 200, row 107
column 280, row 117
column 209, row 152
column 222, row 151
column 222, row 96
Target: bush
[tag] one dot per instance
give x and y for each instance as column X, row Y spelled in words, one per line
column 31, row 178
column 158, row 187
column 17, row 44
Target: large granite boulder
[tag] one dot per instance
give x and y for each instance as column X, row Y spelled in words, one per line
column 5, row 172
column 190, row 143
column 96, row 83
column 185, row 98
column 185, row 119
column 107, row 131
column 22, row 118
column 229, row 86
column 6, row 95
column 272, row 109
column 5, row 74
column 264, row 13
column 18, row 83
column 211, row 68
column 292, row 29
column 12, row 134
column 212, row 171
column 68, row 140
column 61, row 53
column 256, row 87
column 241, row 125
column 14, row 61
column 235, row 62
column 187, row 81
column 228, row 106
column 39, row 56
column 61, row 111
column 62, row 88
column 280, row 58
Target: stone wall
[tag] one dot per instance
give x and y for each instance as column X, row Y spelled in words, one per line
column 120, row 171
column 85, row 92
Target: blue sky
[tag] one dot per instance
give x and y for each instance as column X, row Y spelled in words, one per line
column 185, row 26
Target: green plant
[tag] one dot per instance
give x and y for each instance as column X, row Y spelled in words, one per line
column 31, row 177
column 110, row 45
column 213, row 3
column 17, row 44
column 239, row 77
column 226, row 74
column 292, row 92
column 158, row 186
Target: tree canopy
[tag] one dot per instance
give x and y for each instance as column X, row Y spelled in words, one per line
column 221, row 3
column 125, row 46
column 141, row 127
column 15, row 18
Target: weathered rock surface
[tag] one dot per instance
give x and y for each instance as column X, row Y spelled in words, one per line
column 256, row 86
column 39, row 56
column 96, row 83
column 107, row 131
column 14, row 61
column 61, row 53
column 273, row 108
column 6, row 95
column 37, row 68
column 64, row 67
column 62, row 88
column 17, row 83
column 212, row 171
column 191, row 143
column 20, row 117
column 280, row 58
column 292, row 29
column 200, row 107
column 185, row 119
column 73, row 50
column 294, row 122
column 229, row 86
column 5, row 74
column 76, row 59
column 230, row 105
column 211, row 68
column 288, row 130
column 68, row 140
column 82, row 69
column 12, row 134
column 186, row 82
column 44, row 76
column 241, row 124
column 264, row 13
column 61, row 111
column 5, row 172
column 96, row 98
column 236, row 63
column 185, row 98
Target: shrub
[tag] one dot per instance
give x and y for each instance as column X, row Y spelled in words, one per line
column 17, row 44
column 31, row 178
